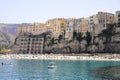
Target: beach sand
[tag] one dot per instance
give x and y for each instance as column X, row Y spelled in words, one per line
column 102, row 57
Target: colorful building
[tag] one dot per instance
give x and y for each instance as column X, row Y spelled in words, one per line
column 99, row 21
column 57, row 26
column 35, row 28
column 70, row 23
column 84, row 25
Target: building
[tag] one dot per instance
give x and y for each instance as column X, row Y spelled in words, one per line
column 84, row 25
column 117, row 21
column 105, row 18
column 35, row 28
column 99, row 21
column 28, row 43
column 94, row 26
column 65, row 27
column 70, row 23
column 77, row 25
column 57, row 26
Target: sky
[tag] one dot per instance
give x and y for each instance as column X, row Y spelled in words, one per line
column 29, row 11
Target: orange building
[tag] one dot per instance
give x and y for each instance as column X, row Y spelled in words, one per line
column 84, row 25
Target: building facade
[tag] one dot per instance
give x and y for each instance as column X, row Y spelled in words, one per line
column 57, row 26
column 77, row 25
column 84, row 25
column 35, row 28
column 99, row 21
column 117, row 21
column 28, row 43
column 69, row 28
column 105, row 18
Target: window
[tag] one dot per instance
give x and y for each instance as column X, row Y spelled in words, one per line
column 91, row 19
column 100, row 21
column 91, row 16
column 103, row 20
column 110, row 17
column 36, row 39
column 103, row 25
column 118, row 24
column 33, row 29
column 119, row 15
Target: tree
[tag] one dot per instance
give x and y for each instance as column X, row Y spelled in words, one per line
column 60, row 38
column 88, row 38
column 44, row 37
column 79, row 37
column 74, row 35
column 15, row 42
column 45, row 40
column 52, row 41
column 108, row 33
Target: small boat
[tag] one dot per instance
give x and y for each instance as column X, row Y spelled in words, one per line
column 51, row 65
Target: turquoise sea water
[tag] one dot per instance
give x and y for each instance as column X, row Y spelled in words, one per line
column 37, row 69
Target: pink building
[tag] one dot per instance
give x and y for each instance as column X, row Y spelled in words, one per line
column 35, row 28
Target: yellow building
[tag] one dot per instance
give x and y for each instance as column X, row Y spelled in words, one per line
column 57, row 26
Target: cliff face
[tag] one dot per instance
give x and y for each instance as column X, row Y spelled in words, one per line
column 4, row 40
column 114, row 45
column 63, row 47
column 81, row 47
column 8, row 32
column 9, row 28
column 75, row 46
column 71, row 47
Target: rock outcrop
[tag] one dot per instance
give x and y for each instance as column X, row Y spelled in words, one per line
column 114, row 45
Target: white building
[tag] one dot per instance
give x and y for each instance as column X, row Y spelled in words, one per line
column 118, row 21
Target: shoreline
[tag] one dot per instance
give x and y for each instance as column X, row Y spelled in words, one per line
column 98, row 57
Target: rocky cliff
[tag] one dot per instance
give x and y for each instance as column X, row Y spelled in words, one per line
column 8, row 32
column 114, row 45
column 81, row 47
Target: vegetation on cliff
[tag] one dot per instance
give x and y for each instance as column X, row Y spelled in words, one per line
column 5, row 51
column 82, row 44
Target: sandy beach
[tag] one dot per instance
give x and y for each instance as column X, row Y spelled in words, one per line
column 109, row 57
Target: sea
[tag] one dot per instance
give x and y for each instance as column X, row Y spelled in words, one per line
column 35, row 69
